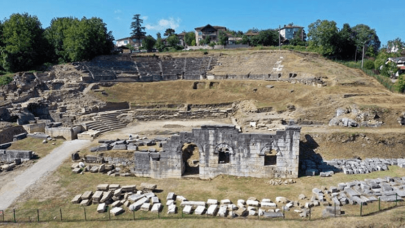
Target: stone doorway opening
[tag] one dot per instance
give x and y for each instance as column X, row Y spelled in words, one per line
column 223, row 156
column 190, row 159
column 270, row 157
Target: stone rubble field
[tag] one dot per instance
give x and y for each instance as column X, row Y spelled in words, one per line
column 333, row 198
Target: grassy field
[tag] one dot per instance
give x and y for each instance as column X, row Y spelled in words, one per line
column 36, row 145
column 63, row 185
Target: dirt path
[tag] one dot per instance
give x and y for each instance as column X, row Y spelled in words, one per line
column 10, row 191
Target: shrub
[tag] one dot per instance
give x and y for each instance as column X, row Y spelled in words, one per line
column 4, row 80
column 368, row 64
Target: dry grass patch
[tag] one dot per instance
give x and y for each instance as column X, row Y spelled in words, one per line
column 36, row 145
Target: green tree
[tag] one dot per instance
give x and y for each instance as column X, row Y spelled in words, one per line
column 148, row 43
column 366, row 36
column 265, row 37
column 189, row 38
column 298, row 39
column 389, row 69
column 138, row 31
column 169, row 32
column 395, row 45
column 206, row 40
column 346, row 48
column 245, row 39
column 87, row 38
column 23, row 43
column 172, row 41
column 222, row 38
column 323, row 35
column 400, row 83
column 55, row 34
column 159, row 45
column 4, row 80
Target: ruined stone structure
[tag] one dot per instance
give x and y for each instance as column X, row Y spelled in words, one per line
column 11, row 155
column 223, row 150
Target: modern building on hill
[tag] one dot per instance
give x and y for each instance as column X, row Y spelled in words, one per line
column 289, row 31
column 129, row 40
column 210, row 31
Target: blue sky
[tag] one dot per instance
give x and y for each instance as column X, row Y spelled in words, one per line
column 386, row 18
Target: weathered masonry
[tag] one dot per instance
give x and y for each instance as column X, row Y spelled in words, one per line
column 223, row 150
column 11, row 155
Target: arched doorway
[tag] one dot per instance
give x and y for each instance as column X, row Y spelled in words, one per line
column 190, row 159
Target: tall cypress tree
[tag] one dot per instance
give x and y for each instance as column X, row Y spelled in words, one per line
column 137, row 30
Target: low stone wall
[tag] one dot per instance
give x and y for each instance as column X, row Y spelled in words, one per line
column 146, row 115
column 7, row 134
column 119, row 161
column 11, row 155
column 68, row 133
column 38, row 127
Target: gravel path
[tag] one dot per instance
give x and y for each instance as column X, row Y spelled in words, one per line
column 10, row 191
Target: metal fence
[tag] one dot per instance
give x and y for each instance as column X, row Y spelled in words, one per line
column 75, row 213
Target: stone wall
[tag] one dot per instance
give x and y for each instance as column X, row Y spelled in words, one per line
column 247, row 154
column 7, row 134
column 37, row 127
column 147, row 115
column 11, row 155
column 68, row 133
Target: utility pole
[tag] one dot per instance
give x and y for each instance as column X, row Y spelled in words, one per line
column 279, row 41
column 362, row 58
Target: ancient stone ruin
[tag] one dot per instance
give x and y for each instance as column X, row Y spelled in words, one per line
column 223, row 150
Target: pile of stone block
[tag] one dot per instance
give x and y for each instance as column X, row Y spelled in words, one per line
column 9, row 166
column 316, row 166
column 110, row 170
column 119, row 197
column 131, row 144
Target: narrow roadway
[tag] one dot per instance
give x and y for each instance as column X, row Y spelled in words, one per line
column 45, row 166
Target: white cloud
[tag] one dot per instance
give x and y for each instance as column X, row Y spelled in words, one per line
column 117, row 11
column 144, row 18
column 164, row 24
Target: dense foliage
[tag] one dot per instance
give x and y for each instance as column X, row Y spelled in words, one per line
column 25, row 44
column 148, row 43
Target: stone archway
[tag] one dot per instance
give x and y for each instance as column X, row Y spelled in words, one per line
column 269, row 153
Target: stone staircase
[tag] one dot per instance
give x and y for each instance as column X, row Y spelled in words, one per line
column 106, row 121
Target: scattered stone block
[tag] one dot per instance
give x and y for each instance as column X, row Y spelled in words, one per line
column 212, row 210
column 145, row 207
column 148, row 187
column 252, row 203
column 85, row 202
column 171, row 209
column 106, row 196
column 199, row 210
column 281, row 199
column 170, row 196
column 212, row 202
column 114, row 187
column 222, row 212
column 116, row 204
column 302, row 197
column 76, row 170
column 117, row 211
column 77, row 199
column 101, row 208
column 156, row 207
column 97, row 196
column 226, row 201
column 169, row 202
column 187, row 209
column 86, row 195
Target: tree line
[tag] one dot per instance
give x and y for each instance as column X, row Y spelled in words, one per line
column 25, row 44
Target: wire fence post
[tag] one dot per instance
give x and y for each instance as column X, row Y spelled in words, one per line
column 38, row 215
column 84, row 211
column 361, row 209
column 133, row 214
column 379, row 204
column 309, row 213
column 14, row 216
column 60, row 210
column 2, row 213
column 396, row 199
